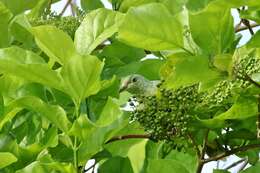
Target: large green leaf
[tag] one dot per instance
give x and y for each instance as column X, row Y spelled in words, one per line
column 41, row 167
column 96, row 27
column 54, row 114
column 118, row 53
column 20, row 29
column 253, row 169
column 6, row 159
column 254, row 42
column 54, row 42
column 88, row 5
column 110, row 113
column 195, row 6
column 29, row 66
column 164, row 166
column 218, row 35
column 183, row 70
column 81, row 75
column 151, row 27
column 17, row 6
column 126, row 4
column 95, row 135
column 245, row 107
column 116, row 165
column 5, row 16
column 187, row 159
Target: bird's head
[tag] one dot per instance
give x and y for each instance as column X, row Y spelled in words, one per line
column 133, row 83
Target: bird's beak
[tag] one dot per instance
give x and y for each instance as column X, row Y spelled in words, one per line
column 123, row 87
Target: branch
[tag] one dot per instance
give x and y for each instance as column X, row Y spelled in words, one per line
column 232, row 151
column 65, row 7
column 124, row 137
column 242, row 28
column 243, row 165
column 247, row 24
column 235, row 164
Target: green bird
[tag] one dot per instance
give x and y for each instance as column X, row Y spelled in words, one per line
column 138, row 85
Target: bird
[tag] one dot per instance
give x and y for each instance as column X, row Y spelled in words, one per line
column 138, row 85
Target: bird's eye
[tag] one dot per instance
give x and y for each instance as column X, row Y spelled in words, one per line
column 134, row 79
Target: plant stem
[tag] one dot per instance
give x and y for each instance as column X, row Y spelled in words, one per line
column 75, row 153
column 75, row 145
column 258, row 120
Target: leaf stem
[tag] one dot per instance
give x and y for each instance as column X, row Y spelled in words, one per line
column 75, row 145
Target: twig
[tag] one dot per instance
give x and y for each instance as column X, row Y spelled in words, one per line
column 232, row 151
column 242, row 28
column 124, row 137
column 235, row 164
column 247, row 24
column 243, row 165
column 65, row 7
column 89, row 168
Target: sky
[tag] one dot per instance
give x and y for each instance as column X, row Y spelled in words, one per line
column 208, row 168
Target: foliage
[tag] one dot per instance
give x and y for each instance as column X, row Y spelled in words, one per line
column 60, row 104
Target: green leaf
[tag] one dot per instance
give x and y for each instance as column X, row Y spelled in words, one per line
column 252, row 169
column 54, row 114
column 5, row 17
column 223, row 62
column 110, row 113
column 180, row 71
column 89, row 5
column 94, row 136
column 116, row 165
column 164, row 166
column 20, row 29
column 137, row 160
column 220, row 171
column 6, row 159
column 187, row 159
column 96, row 27
column 118, row 53
column 254, row 42
column 140, row 28
column 40, row 167
column 218, row 35
column 245, row 107
column 81, row 76
column 29, row 66
column 17, row 6
column 54, row 42
column 126, row 4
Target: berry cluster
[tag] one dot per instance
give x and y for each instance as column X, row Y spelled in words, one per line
column 68, row 24
column 167, row 115
column 246, row 66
